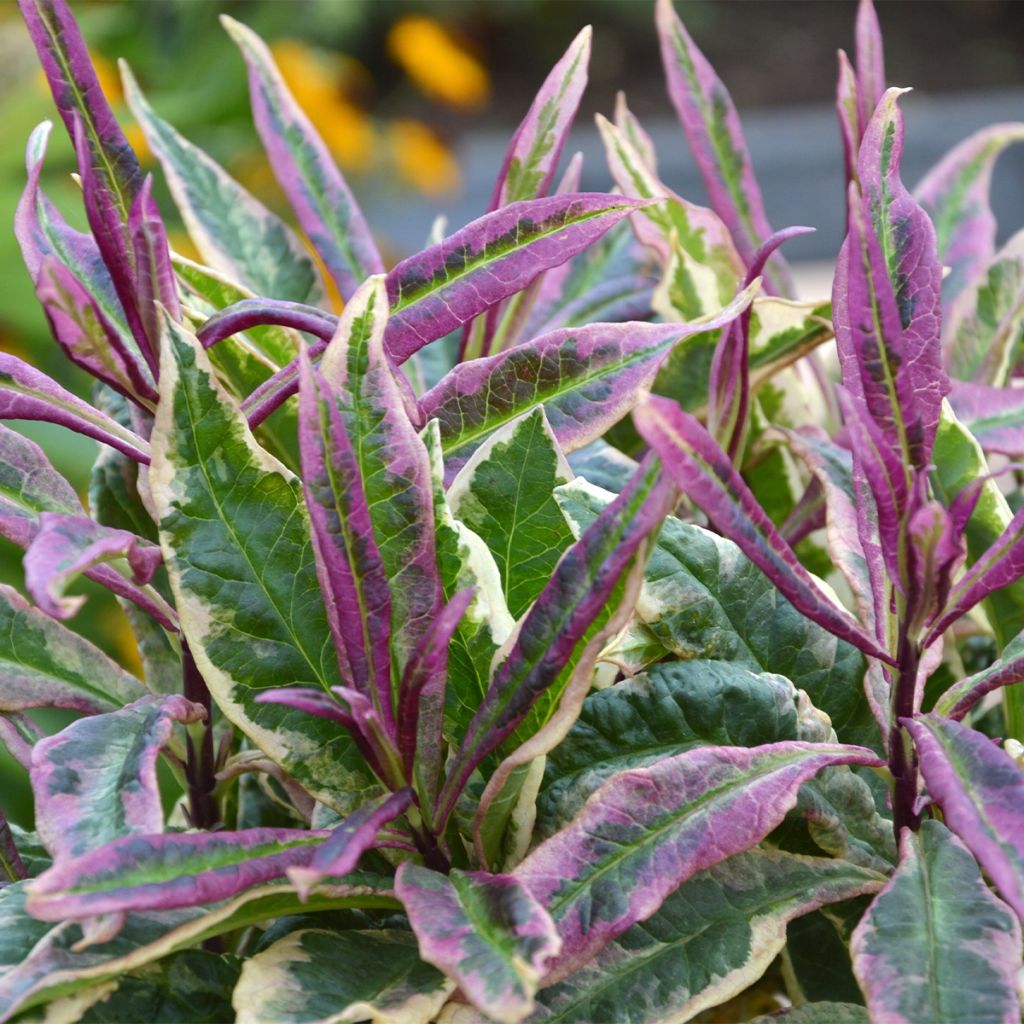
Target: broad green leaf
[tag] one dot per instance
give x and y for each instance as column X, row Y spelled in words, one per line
column 504, row 495
column 818, row 1013
column 486, row 931
column 45, row 664
column 711, row 938
column 704, row 599
column 38, row 961
column 673, row 707
column 233, row 230
column 936, row 945
column 242, row 569
column 646, row 831
column 314, row 976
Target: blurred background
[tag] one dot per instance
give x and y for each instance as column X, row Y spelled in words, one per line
column 417, row 102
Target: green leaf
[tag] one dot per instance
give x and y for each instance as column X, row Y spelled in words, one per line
column 936, row 945
column 504, row 495
column 704, row 599
column 241, row 565
column 673, row 707
column 710, row 939
column 818, row 1013
column 297, row 979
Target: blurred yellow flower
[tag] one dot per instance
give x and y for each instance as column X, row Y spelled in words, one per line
column 137, row 140
column 315, row 80
column 422, row 159
column 437, row 64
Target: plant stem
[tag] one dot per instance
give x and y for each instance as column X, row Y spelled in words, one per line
column 200, row 769
column 902, row 755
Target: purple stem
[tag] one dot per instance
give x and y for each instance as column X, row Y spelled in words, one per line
column 902, row 754
column 200, row 768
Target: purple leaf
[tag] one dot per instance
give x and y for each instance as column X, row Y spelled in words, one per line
column 980, row 789
column 421, row 699
column 851, row 128
column 349, row 841
column 579, row 589
column 443, row 287
column 870, row 62
column 647, row 830
column 536, row 147
column 995, row 416
column 1007, row 670
column 67, row 546
column 18, row 734
column 319, row 194
column 96, row 780
column 705, row 474
column 484, row 930
column 587, row 379
column 162, row 872
column 241, row 316
column 712, row 128
column 955, row 194
column 11, row 864
column 27, row 394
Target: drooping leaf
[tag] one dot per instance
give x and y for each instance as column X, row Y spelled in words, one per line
column 935, row 943
column 44, row 664
column 233, row 230
column 243, row 573
column 708, row 941
column 994, row 416
column 703, row 600
column 1006, row 670
column 586, row 378
column 581, row 585
column 504, row 495
column 712, row 128
column 323, row 203
column 704, row 472
column 96, row 779
column 484, row 930
column 672, row 707
column 28, row 394
column 297, row 979
column 648, row 830
column 981, row 792
column 955, row 195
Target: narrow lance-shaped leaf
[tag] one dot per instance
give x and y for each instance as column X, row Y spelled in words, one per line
column 155, row 282
column 712, row 127
column 43, row 664
column 96, row 780
column 646, row 831
column 711, row 938
column 235, row 232
column 297, row 978
column 28, row 394
column 241, row 565
column 587, row 378
column 11, row 864
column 704, row 472
column 1006, row 670
column 955, row 195
column 484, row 930
column 319, row 194
column 851, row 128
column 68, row 546
column 980, row 789
column 580, row 587
column 936, row 944
column 392, row 462
column 349, row 841
column 870, row 61
column 536, row 147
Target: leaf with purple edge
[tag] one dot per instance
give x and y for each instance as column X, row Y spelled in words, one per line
column 44, row 664
column 233, row 230
column 587, row 378
column 484, row 930
column 851, row 128
column 704, row 472
column 1006, row 670
column 558, row 622
column 319, row 194
column 980, row 790
column 955, row 194
column 155, row 283
column 710, row 939
column 69, row 546
column 712, row 127
column 28, row 394
column 96, row 779
column 870, row 58
column 936, row 944
column 648, row 830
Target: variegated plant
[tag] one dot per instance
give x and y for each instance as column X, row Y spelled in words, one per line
column 462, row 715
